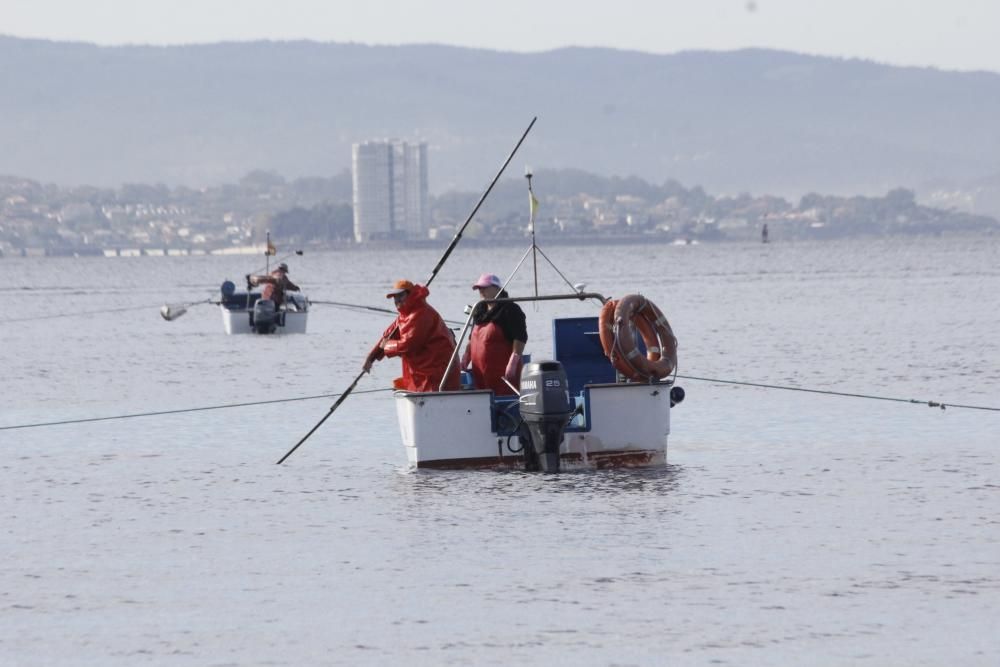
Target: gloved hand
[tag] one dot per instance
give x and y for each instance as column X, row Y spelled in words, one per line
column 372, row 357
column 249, row 283
column 466, row 358
column 513, row 368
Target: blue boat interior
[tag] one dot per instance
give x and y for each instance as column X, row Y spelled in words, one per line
column 238, row 300
column 576, row 343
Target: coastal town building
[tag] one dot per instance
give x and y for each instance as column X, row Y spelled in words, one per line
column 235, row 218
column 390, row 194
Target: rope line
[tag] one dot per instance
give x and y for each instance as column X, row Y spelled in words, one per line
column 930, row 404
column 81, row 313
column 75, row 314
column 375, row 309
column 828, row 392
column 183, row 410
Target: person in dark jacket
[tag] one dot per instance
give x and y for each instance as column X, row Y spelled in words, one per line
column 497, row 341
column 275, row 285
column 420, row 338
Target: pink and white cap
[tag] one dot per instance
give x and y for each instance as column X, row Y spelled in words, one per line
column 488, row 280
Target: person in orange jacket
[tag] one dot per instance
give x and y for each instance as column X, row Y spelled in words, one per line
column 420, row 338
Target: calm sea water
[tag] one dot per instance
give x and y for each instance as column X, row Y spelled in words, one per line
column 788, row 528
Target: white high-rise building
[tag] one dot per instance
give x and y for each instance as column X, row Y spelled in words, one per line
column 371, row 167
column 390, row 190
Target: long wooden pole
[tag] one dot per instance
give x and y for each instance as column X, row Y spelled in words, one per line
column 458, row 234
column 333, row 407
column 444, row 257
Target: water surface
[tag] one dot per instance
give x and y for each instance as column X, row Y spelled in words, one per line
column 788, row 528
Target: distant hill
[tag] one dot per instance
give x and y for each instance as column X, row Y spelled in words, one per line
column 756, row 121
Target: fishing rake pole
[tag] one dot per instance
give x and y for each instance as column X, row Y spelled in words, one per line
column 458, row 234
column 279, row 260
column 81, row 313
column 444, row 258
column 333, row 407
column 171, row 311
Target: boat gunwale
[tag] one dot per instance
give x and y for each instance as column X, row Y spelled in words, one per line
column 405, row 393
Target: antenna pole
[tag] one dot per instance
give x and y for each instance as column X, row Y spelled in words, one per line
column 532, row 205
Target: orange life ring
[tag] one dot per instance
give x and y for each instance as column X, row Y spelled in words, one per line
column 618, row 338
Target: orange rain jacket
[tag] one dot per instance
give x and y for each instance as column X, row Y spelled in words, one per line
column 424, row 343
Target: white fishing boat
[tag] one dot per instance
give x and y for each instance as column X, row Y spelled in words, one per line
column 602, row 399
column 284, row 311
column 576, row 410
column 245, row 312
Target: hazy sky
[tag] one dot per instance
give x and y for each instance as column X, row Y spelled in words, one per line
column 957, row 34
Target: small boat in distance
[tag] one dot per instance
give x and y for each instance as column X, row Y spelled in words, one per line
column 277, row 308
column 245, row 312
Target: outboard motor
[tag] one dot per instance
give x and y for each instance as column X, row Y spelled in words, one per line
column 546, row 410
column 265, row 316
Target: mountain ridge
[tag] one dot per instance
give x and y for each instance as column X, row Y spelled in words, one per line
column 753, row 120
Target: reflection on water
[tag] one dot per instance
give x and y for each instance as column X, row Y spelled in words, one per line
column 509, row 484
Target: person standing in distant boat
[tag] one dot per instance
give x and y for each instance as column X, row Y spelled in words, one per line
column 498, row 338
column 275, row 285
column 420, row 338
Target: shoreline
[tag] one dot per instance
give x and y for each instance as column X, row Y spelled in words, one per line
column 615, row 240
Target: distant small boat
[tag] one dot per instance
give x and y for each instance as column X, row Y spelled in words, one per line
column 245, row 312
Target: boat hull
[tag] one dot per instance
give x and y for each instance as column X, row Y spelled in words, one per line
column 238, row 322
column 621, row 425
column 237, row 307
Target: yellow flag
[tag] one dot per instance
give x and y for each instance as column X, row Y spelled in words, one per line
column 533, row 203
column 271, row 250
